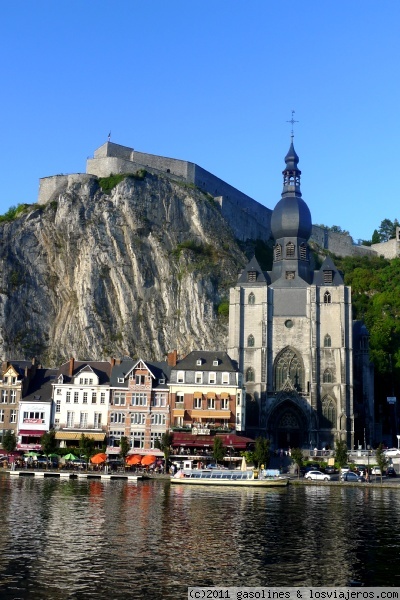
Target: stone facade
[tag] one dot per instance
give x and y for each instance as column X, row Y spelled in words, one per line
column 81, row 399
column 291, row 331
column 139, row 406
column 206, row 393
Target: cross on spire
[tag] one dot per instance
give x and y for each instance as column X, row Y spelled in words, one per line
column 292, row 121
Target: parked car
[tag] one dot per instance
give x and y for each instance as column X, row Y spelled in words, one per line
column 376, row 471
column 350, row 476
column 330, row 470
column 317, row 476
column 392, row 452
column 308, row 468
column 344, row 469
column 390, row 472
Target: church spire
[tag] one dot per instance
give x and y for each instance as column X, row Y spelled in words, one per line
column 291, row 173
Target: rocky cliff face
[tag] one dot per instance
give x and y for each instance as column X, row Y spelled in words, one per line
column 140, row 270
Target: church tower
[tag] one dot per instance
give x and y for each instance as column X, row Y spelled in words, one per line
column 290, row 329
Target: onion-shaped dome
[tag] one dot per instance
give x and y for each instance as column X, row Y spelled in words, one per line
column 291, row 217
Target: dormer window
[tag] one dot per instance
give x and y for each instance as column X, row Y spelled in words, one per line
column 215, row 363
column 199, row 362
column 252, row 276
column 328, row 276
column 120, row 380
column 161, row 381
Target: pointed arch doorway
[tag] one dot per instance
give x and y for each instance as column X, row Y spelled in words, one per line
column 288, row 425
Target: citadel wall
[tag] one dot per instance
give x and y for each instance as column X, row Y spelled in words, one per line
column 51, row 187
column 247, row 218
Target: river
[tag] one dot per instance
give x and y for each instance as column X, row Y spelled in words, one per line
column 83, row 540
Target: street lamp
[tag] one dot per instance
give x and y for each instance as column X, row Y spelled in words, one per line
column 398, row 442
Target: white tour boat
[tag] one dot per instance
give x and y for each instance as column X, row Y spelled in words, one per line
column 263, row 478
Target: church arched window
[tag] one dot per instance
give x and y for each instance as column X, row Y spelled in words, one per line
column 251, row 298
column 278, row 252
column 327, row 341
column 328, row 412
column 250, row 341
column 327, row 377
column 327, row 298
column 289, row 249
column 250, row 375
column 289, row 366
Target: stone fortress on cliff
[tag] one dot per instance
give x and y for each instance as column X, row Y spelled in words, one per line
column 248, row 219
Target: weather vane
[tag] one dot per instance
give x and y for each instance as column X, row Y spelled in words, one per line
column 292, row 121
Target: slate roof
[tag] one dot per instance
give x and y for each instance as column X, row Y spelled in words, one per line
column 160, row 370
column 252, row 266
column 328, row 265
column 19, row 366
column 189, row 363
column 40, row 387
column 101, row 368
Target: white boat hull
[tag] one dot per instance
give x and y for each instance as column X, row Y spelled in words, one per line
column 227, row 478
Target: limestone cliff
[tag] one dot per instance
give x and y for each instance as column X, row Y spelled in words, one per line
column 139, row 270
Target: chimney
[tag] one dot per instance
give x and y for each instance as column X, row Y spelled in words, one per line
column 71, row 366
column 172, row 358
column 112, row 362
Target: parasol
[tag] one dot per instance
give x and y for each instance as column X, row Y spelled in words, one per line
column 134, row 459
column 148, row 460
column 99, row 458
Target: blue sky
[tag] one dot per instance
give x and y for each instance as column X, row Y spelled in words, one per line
column 213, row 82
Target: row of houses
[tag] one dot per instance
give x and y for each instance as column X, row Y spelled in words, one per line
column 196, row 397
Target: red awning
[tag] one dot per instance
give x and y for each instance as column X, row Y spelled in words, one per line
column 31, row 432
column 198, row 441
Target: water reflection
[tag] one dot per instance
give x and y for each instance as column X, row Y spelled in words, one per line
column 73, row 540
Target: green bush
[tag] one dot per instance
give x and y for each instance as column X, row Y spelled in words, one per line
column 223, row 308
column 108, row 183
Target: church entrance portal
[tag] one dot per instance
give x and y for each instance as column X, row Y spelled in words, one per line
column 288, row 426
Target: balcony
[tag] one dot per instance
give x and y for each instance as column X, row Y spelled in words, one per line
column 86, row 426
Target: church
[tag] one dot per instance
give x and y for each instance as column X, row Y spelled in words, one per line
column 306, row 367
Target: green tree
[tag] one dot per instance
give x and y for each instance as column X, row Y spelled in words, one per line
column 261, row 454
column 9, row 441
column 219, row 451
column 297, row 457
column 387, row 230
column 86, row 447
column 124, row 448
column 341, row 452
column 165, row 445
column 375, row 237
column 48, row 442
column 381, row 459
